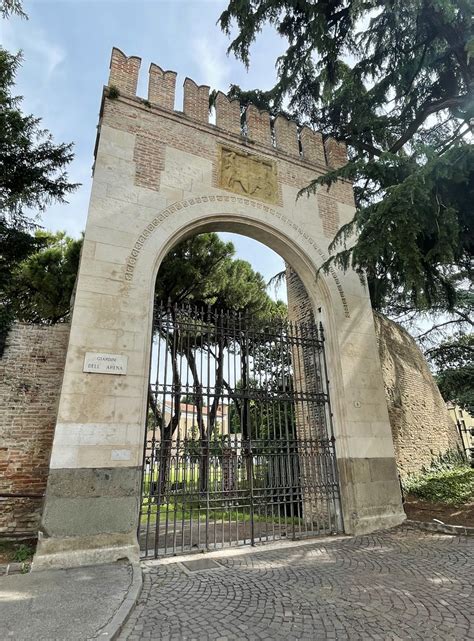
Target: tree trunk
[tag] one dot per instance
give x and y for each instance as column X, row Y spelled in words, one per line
column 160, row 488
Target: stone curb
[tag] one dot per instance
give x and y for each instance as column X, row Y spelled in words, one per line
column 113, row 628
column 457, row 530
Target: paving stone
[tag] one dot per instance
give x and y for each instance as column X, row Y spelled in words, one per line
column 201, row 564
column 392, row 586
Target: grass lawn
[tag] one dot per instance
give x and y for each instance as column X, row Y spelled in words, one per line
column 175, row 511
column 182, row 507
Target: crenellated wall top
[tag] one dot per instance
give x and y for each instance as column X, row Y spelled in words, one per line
column 251, row 123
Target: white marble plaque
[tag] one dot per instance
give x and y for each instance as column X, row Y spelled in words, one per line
column 98, row 363
column 121, row 455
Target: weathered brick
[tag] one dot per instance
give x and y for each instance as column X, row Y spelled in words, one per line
column 196, row 101
column 161, row 87
column 312, row 146
column 286, row 135
column 258, row 125
column 124, row 72
column 228, row 114
column 336, row 153
column 421, row 426
column 31, row 372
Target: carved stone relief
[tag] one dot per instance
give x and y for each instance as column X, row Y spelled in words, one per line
column 247, row 175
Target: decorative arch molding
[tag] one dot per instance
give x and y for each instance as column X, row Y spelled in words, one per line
column 246, row 202
column 97, row 452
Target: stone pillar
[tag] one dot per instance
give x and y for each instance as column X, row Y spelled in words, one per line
column 370, row 490
column 311, row 419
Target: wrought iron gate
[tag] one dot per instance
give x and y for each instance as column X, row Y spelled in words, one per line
column 239, row 447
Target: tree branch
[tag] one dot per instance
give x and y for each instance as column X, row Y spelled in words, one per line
column 429, row 109
column 435, row 327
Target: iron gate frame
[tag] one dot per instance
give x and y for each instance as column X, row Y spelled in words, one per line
column 303, row 462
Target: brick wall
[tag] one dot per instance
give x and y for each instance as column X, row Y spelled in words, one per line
column 31, row 372
column 421, row 426
column 307, row 366
column 124, row 72
column 300, row 155
column 161, row 87
column 310, row 417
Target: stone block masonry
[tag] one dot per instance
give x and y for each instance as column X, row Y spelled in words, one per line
column 162, row 174
column 31, row 373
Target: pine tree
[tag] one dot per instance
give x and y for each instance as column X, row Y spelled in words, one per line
column 32, row 175
column 41, row 286
column 394, row 81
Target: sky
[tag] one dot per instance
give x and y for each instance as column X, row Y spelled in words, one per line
column 66, row 47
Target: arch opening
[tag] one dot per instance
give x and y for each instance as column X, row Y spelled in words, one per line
column 239, row 438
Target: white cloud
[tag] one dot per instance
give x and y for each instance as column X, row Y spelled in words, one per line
column 35, row 45
column 212, row 64
column 52, row 54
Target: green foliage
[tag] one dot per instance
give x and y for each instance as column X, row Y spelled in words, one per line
column 449, row 460
column 32, row 167
column 202, row 271
column 11, row 7
column 453, row 486
column 13, row 551
column 190, row 399
column 114, row 92
column 41, row 285
column 394, row 81
column 453, row 361
column 33, row 174
column 193, row 447
column 427, row 233
column 23, row 553
column 15, row 246
column 193, row 270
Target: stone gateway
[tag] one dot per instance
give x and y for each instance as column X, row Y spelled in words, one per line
column 161, row 176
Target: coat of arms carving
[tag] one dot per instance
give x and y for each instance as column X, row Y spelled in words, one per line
column 248, row 175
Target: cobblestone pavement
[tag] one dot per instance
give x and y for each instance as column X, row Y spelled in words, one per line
column 399, row 584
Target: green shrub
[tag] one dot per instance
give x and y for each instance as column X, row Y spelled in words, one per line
column 449, row 460
column 22, row 553
column 454, row 486
column 114, row 92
